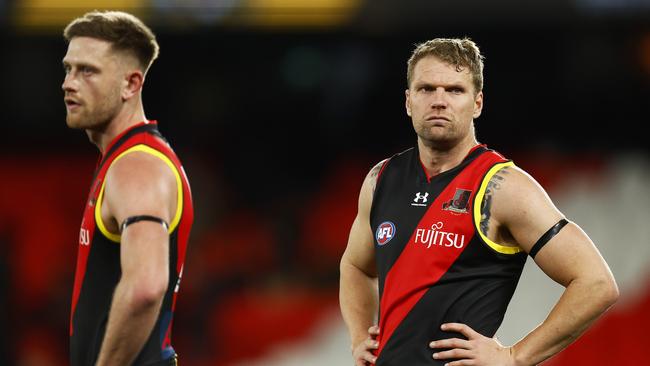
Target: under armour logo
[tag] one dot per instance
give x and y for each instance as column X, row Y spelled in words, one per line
column 419, row 196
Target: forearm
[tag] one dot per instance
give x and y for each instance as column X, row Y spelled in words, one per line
column 578, row 307
column 130, row 322
column 359, row 302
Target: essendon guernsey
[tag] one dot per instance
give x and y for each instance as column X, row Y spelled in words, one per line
column 98, row 258
column 434, row 264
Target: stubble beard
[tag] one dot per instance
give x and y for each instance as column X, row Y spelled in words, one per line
column 439, row 137
column 95, row 119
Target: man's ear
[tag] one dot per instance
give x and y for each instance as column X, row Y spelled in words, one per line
column 133, row 81
column 407, row 102
column 478, row 105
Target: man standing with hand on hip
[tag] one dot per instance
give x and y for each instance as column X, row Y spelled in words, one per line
column 442, row 234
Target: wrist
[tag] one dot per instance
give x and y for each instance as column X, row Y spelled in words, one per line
column 355, row 342
column 518, row 359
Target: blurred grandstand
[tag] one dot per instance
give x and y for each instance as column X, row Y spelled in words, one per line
column 278, row 108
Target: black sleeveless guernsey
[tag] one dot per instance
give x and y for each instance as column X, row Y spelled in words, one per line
column 98, row 259
column 434, row 264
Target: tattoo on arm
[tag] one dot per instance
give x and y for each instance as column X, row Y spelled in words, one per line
column 486, row 206
column 374, row 173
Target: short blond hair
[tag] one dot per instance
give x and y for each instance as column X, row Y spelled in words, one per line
column 124, row 31
column 462, row 53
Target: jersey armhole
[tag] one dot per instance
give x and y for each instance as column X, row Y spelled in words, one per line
column 179, row 186
column 478, row 202
column 381, row 170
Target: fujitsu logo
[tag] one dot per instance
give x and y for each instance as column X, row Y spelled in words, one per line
column 436, row 237
column 84, row 237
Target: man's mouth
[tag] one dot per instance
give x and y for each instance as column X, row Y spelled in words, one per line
column 437, row 118
column 71, row 103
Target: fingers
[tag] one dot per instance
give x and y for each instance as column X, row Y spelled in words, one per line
column 367, row 356
column 363, row 354
column 374, row 330
column 364, row 357
column 360, row 362
column 371, row 343
column 460, row 328
column 457, row 348
column 461, row 363
column 450, row 343
column 453, row 353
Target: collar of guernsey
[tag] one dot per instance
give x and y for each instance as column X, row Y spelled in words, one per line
column 113, row 145
column 107, row 151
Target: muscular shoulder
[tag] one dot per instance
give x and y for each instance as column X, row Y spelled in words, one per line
column 373, row 174
column 517, row 208
column 516, row 193
column 368, row 188
column 138, row 183
column 140, row 170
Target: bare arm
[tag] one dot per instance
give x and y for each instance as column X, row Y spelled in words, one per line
column 358, row 283
column 138, row 184
column 518, row 212
column 570, row 258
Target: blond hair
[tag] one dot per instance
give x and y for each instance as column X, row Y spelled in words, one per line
column 124, row 31
column 462, row 53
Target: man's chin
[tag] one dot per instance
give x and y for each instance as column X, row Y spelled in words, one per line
column 439, row 140
column 75, row 121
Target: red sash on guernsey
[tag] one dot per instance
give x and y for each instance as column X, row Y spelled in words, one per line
column 98, row 263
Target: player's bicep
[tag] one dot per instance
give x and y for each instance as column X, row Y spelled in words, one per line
column 144, row 255
column 562, row 250
column 142, row 185
column 524, row 209
column 360, row 252
column 571, row 254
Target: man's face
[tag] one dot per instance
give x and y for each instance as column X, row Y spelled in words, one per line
column 93, row 83
column 442, row 102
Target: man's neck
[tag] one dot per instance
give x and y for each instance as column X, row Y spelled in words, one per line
column 102, row 137
column 436, row 160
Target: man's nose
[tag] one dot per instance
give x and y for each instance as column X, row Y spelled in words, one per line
column 438, row 99
column 69, row 83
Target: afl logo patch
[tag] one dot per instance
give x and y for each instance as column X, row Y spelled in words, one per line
column 385, row 232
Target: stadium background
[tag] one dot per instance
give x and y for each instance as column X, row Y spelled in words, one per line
column 278, row 108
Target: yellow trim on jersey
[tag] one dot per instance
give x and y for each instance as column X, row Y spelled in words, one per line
column 478, row 200
column 98, row 217
column 179, row 184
